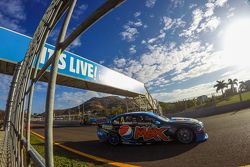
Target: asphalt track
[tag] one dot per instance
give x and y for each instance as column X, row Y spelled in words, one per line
column 228, row 145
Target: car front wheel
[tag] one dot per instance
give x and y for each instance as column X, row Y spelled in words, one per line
column 185, row 135
column 114, row 140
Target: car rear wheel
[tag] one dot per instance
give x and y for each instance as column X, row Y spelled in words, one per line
column 114, row 140
column 185, row 135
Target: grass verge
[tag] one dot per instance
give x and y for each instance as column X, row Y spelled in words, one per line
column 234, row 99
column 61, row 156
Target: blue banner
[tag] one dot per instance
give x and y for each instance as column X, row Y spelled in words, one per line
column 14, row 46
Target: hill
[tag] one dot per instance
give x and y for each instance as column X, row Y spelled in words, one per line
column 105, row 106
column 100, row 105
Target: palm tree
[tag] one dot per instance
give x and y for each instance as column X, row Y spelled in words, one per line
column 232, row 83
column 242, row 87
column 220, row 86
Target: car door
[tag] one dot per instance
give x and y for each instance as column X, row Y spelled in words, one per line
column 149, row 129
column 125, row 127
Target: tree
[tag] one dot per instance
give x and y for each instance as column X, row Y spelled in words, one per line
column 232, row 82
column 247, row 85
column 242, row 86
column 220, row 86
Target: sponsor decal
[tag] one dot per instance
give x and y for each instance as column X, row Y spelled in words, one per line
column 148, row 133
column 71, row 64
column 126, row 132
column 107, row 127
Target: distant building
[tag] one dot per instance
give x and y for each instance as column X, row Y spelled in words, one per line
column 202, row 99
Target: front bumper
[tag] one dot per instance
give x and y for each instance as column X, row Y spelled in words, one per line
column 102, row 135
column 200, row 137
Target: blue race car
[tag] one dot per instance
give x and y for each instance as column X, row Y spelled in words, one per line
column 148, row 127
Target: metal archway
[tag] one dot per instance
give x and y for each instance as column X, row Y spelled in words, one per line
column 19, row 105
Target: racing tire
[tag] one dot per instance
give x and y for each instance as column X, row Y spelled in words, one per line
column 185, row 135
column 114, row 140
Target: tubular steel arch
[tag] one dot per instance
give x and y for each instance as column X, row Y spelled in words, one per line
column 19, row 104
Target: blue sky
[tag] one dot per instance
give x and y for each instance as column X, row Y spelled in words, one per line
column 178, row 48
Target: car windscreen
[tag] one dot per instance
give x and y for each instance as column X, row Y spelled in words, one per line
column 161, row 118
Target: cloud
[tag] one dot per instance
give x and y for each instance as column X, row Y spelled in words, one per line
column 131, row 30
column 169, row 24
column 242, row 74
column 230, row 12
column 153, row 40
column 188, row 93
column 203, row 19
column 76, row 43
column 137, row 23
column 172, row 23
column 190, row 58
column 4, row 89
column 177, row 3
column 150, row 3
column 186, row 61
column 129, row 34
column 132, row 49
column 221, row 3
column 54, row 35
column 14, row 9
column 210, row 9
column 41, row 86
column 137, row 14
column 198, row 69
column 120, row 62
column 197, row 17
column 151, row 15
column 200, row 89
column 191, row 6
column 80, row 9
column 211, row 24
column 71, row 99
column 12, row 13
column 166, row 62
column 101, row 62
column 159, row 82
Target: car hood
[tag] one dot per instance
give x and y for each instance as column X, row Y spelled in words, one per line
column 185, row 120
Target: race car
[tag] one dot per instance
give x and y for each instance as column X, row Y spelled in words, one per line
column 148, row 127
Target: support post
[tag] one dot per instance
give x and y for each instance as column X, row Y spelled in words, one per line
column 49, row 158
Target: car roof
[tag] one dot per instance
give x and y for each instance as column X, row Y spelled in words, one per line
column 136, row 113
